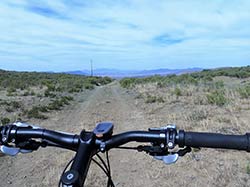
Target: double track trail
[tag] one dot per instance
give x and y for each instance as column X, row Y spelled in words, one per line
column 129, row 168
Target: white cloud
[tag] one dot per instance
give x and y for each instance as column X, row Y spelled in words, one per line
column 133, row 34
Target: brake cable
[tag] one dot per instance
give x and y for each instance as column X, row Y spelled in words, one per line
column 66, row 167
column 106, row 169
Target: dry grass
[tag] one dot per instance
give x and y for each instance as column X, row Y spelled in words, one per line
column 192, row 111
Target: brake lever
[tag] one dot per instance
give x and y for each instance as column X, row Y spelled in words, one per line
column 21, row 124
column 13, row 151
column 24, row 147
column 173, row 157
column 160, row 154
column 168, row 159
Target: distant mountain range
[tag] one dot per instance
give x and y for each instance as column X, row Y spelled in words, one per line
column 115, row 73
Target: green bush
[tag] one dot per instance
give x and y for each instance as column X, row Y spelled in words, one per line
column 9, row 109
column 160, row 100
column 42, row 108
column 217, row 98
column 47, row 93
column 177, row 92
column 55, row 82
column 207, row 78
column 35, row 113
column 203, row 77
column 5, row 121
column 248, row 169
column 154, row 99
column 219, row 85
column 12, row 106
column 127, row 82
column 89, row 86
column 244, row 91
column 15, row 104
column 160, row 85
column 26, row 93
column 11, row 90
column 55, row 105
column 139, row 96
column 69, row 98
column 151, row 99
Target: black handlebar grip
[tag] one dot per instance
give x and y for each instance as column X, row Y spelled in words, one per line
column 216, row 140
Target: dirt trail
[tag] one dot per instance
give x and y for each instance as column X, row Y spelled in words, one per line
column 43, row 168
column 129, row 168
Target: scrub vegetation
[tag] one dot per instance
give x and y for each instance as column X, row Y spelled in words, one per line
column 207, row 101
column 26, row 95
column 218, row 87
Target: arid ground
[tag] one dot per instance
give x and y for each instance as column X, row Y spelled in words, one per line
column 129, row 111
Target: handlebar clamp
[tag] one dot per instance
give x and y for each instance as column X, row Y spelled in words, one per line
column 170, row 134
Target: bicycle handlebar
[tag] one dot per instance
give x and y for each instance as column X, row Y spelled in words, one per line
column 71, row 141
column 12, row 133
column 216, row 140
column 137, row 136
column 65, row 140
column 88, row 144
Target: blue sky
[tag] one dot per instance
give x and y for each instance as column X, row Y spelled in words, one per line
column 63, row 35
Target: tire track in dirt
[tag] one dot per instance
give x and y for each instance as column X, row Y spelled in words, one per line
column 129, row 168
column 43, row 167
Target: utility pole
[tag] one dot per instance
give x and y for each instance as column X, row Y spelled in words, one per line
column 91, row 64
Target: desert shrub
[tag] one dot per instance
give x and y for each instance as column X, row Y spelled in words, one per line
column 48, row 93
column 72, row 90
column 89, row 86
column 34, row 112
column 248, row 169
column 64, row 100
column 32, row 93
column 39, row 95
column 69, row 98
column 198, row 115
column 59, row 103
column 55, row 82
column 177, row 92
column 9, row 109
column 15, row 104
column 151, row 99
column 207, row 78
column 55, row 105
column 51, row 87
column 5, row 120
column 105, row 80
column 160, row 100
column 11, row 90
column 12, row 106
column 204, row 77
column 244, row 91
column 2, row 102
column 127, row 82
column 42, row 108
column 217, row 98
column 160, row 85
column 219, row 85
column 26, row 93
column 154, row 99
column 139, row 96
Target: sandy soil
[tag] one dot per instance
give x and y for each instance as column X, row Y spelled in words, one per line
column 111, row 103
